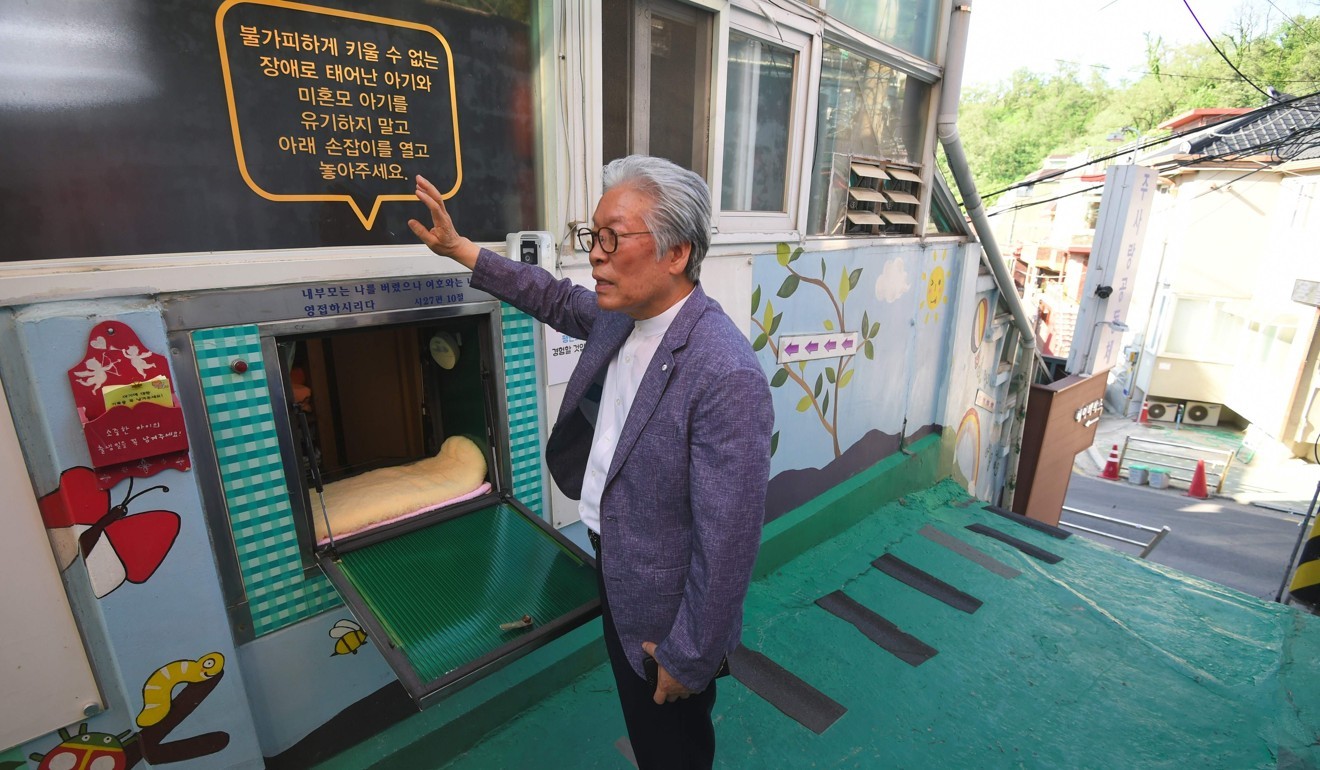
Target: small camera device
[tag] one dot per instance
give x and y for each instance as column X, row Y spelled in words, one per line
column 531, row 247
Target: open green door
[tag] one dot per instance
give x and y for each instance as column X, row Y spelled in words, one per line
column 446, row 603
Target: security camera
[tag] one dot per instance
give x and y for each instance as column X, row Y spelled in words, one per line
column 1103, row 292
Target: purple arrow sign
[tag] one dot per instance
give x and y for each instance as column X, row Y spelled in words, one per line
column 831, row 345
column 791, row 348
column 847, row 343
column 812, row 347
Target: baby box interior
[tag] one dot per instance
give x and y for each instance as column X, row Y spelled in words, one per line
column 394, row 439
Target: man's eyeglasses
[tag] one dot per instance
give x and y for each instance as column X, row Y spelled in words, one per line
column 607, row 237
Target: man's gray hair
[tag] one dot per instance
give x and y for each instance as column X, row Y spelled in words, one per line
column 681, row 204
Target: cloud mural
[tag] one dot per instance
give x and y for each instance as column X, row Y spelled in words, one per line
column 893, row 282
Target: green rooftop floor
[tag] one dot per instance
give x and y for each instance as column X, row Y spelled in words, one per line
column 1098, row 661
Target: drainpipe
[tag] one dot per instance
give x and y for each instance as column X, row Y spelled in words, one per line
column 946, row 123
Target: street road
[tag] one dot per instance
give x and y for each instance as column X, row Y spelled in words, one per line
column 1241, row 546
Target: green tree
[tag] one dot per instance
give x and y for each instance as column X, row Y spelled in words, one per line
column 1009, row 128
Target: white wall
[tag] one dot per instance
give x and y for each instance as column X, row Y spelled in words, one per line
column 1219, row 231
column 43, row 665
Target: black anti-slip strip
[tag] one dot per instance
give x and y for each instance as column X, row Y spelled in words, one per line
column 1021, row 545
column 926, row 583
column 1039, row 526
column 812, row 708
column 904, row 646
column 968, row 551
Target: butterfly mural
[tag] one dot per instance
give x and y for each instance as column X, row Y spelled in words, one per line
column 116, row 546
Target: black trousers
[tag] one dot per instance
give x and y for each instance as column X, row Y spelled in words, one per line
column 664, row 736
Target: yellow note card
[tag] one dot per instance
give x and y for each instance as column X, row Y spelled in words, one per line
column 155, row 390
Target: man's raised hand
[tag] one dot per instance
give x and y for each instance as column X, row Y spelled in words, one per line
column 441, row 237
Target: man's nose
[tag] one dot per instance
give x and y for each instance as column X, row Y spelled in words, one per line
column 597, row 255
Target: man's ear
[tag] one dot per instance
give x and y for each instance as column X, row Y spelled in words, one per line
column 677, row 259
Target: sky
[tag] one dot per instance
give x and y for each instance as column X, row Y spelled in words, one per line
column 1006, row 35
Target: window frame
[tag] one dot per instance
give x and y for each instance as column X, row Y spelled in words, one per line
column 638, row 130
column 841, row 35
column 802, row 35
column 804, row 30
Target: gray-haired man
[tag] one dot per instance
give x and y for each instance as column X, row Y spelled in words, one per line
column 671, row 463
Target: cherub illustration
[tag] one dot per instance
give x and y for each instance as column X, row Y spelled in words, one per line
column 95, row 375
column 138, row 358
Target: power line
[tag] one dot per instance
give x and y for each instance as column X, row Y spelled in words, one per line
column 1292, row 21
column 1289, row 141
column 1221, row 53
column 1170, row 74
column 1274, row 105
column 1029, row 204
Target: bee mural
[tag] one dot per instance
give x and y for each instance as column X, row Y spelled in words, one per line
column 349, row 637
column 86, row 750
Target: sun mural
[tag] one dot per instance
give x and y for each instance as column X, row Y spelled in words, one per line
column 934, row 280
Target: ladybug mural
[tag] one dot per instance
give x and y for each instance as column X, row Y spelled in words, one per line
column 87, row 751
column 162, row 713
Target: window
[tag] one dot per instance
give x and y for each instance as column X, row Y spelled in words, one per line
column 1203, row 329
column 656, row 85
column 763, row 122
column 945, row 217
column 757, row 125
column 870, row 118
column 907, row 24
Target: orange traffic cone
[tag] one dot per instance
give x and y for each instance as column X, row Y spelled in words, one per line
column 1197, row 487
column 1144, row 417
column 1111, row 465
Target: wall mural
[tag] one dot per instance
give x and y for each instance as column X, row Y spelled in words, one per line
column 12, row 759
column 163, row 710
column 115, row 546
column 348, row 636
column 934, row 281
column 967, row 448
column 974, row 394
column 845, row 338
column 968, row 442
column 839, row 375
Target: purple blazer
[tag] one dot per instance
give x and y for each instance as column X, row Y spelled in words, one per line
column 684, row 497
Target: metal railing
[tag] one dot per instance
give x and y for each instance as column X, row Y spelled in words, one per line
column 1179, row 460
column 1146, row 547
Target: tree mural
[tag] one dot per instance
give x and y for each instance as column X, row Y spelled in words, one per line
column 822, row 395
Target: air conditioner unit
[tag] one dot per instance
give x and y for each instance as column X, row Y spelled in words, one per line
column 1201, row 413
column 1162, row 411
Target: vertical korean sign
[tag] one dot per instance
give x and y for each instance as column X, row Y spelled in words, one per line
column 1125, row 209
column 332, row 106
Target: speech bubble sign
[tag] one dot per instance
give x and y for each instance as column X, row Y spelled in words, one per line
column 330, row 105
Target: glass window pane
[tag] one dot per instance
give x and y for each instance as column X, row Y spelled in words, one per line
column 758, row 108
column 867, row 109
column 1202, row 329
column 907, row 24
column 616, row 86
column 655, row 71
column 677, row 81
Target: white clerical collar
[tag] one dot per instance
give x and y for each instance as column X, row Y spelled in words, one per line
column 657, row 325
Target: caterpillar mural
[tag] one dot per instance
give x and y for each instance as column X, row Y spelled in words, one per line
column 159, row 686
